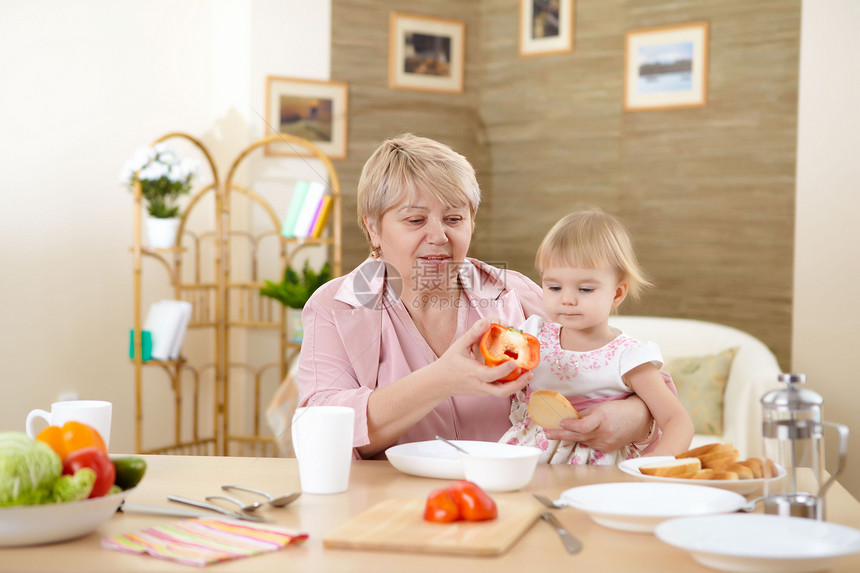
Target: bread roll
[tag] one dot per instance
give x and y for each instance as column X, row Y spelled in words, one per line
column 755, row 465
column 676, row 468
column 705, row 450
column 726, row 475
column 703, row 474
column 547, row 408
column 719, row 459
column 743, row 471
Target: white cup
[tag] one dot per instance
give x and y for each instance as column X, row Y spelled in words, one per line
column 322, row 440
column 95, row 413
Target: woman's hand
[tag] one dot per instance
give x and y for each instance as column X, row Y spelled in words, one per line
column 462, row 368
column 607, row 426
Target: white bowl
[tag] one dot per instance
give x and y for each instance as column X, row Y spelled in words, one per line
column 499, row 467
column 54, row 522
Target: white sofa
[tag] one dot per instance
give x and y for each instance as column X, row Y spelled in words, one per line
column 753, row 372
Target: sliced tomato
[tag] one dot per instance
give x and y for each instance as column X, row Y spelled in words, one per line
column 501, row 344
column 98, row 461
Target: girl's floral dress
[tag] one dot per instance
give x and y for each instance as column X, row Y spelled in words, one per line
column 584, row 378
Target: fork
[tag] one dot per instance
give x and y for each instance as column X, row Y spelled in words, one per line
column 547, row 501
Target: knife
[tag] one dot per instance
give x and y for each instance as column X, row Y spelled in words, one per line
column 571, row 543
column 219, row 509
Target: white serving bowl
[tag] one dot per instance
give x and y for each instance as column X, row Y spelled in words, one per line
column 499, row 467
column 54, row 522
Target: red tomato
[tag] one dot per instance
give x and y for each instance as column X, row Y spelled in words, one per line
column 92, row 457
column 500, row 344
column 441, row 506
column 474, row 503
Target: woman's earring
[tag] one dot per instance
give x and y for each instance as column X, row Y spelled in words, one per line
column 376, row 253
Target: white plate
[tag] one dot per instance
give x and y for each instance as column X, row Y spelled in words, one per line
column 54, row 522
column 758, row 543
column 741, row 486
column 632, row 506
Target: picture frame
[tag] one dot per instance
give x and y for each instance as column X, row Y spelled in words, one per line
column 426, row 53
column 546, row 27
column 666, row 67
column 311, row 109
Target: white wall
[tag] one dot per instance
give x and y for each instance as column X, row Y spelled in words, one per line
column 82, row 84
column 827, row 257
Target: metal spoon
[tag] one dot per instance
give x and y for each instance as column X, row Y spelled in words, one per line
column 453, row 445
column 279, row 501
column 243, row 506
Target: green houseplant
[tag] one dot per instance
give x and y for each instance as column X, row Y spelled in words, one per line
column 164, row 178
column 296, row 288
column 294, row 291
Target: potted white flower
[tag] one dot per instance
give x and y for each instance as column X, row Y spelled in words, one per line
column 164, row 177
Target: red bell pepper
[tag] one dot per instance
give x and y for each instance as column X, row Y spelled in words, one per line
column 441, row 506
column 500, row 344
column 98, row 461
column 462, row 500
column 474, row 503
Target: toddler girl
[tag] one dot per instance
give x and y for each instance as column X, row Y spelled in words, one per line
column 588, row 268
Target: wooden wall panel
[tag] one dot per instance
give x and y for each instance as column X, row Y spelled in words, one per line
column 708, row 193
column 360, row 58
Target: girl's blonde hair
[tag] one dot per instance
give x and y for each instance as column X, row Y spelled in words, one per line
column 590, row 239
column 406, row 164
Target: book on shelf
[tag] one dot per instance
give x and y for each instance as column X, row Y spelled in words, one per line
column 310, row 209
column 299, row 193
column 167, row 321
column 322, row 217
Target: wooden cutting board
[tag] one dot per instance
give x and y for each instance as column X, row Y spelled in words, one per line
column 398, row 525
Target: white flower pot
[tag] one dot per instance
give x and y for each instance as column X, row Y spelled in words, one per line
column 162, row 232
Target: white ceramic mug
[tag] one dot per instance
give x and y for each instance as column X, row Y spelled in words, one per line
column 95, row 413
column 322, row 440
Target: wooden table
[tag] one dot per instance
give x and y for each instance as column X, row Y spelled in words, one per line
column 371, row 482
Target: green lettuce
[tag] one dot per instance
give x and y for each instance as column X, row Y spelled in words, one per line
column 30, row 473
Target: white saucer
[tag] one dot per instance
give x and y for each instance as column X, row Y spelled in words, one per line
column 634, row 506
column 757, row 543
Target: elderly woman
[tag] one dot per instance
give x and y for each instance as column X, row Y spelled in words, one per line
column 396, row 338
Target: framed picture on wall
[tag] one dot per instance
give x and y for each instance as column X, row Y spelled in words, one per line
column 666, row 67
column 426, row 53
column 313, row 110
column 546, row 27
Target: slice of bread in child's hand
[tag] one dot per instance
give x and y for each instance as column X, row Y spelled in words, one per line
column 547, row 408
column 674, row 468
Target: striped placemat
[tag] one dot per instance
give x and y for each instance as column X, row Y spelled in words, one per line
column 202, row 541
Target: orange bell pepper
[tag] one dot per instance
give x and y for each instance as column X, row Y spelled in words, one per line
column 500, row 344
column 71, row 437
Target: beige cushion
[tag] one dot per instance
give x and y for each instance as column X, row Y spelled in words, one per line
column 701, row 383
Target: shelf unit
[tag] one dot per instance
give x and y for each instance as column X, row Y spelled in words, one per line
column 202, row 269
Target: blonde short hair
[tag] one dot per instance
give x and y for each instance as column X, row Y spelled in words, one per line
column 590, row 239
column 406, row 164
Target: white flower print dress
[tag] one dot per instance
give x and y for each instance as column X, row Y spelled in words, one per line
column 584, row 378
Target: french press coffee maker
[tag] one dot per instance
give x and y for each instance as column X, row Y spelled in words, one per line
column 793, row 440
